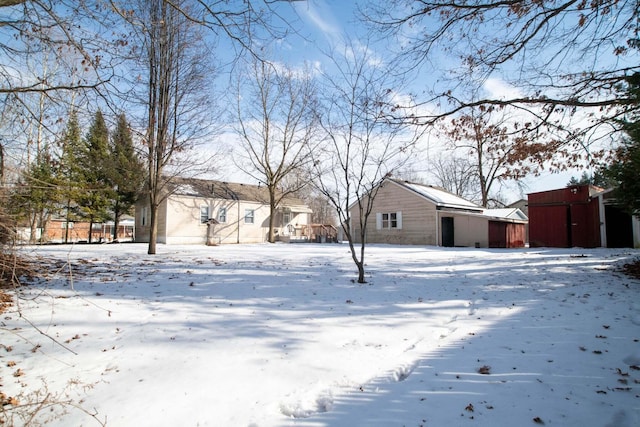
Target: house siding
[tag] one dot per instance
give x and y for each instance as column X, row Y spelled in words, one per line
column 226, row 232
column 180, row 221
column 418, row 218
column 470, row 231
column 183, row 225
column 162, row 222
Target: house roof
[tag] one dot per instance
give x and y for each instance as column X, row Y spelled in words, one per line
column 439, row 196
column 212, row 189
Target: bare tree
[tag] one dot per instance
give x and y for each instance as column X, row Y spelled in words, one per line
column 178, row 105
column 498, row 149
column 456, row 174
column 275, row 117
column 568, row 59
column 71, row 36
column 360, row 148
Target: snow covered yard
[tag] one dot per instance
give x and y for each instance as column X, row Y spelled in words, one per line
column 280, row 335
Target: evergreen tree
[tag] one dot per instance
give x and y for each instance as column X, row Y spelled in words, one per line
column 36, row 198
column 625, row 171
column 126, row 172
column 96, row 195
column 70, row 177
column 598, row 178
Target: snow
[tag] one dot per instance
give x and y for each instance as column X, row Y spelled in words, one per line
column 440, row 196
column 281, row 335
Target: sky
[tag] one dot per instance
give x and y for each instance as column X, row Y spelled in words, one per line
column 325, row 25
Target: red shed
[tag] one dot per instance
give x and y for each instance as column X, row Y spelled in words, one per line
column 565, row 217
column 507, row 228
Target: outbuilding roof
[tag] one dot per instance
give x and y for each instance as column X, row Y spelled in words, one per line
column 439, row 196
column 506, row 213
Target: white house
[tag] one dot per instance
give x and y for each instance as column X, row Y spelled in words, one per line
column 214, row 212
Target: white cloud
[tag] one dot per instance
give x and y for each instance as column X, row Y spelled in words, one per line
column 320, row 16
column 301, row 71
column 499, row 89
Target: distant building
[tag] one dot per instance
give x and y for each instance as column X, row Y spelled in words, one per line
column 214, row 212
column 58, row 230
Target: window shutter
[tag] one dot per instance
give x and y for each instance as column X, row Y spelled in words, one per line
column 399, row 220
column 378, row 221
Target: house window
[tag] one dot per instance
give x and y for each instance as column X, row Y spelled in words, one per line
column 144, row 216
column 204, row 214
column 286, row 217
column 222, row 215
column 248, row 216
column 389, row 221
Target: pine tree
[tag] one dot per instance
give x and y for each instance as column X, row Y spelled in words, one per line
column 96, row 195
column 36, row 198
column 598, row 178
column 125, row 170
column 70, row 178
column 626, row 169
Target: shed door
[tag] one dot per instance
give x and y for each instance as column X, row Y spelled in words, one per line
column 447, row 232
column 497, row 234
column 619, row 228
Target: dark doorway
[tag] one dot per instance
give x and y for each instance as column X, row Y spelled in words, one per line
column 447, row 232
column 569, row 228
column 619, row 228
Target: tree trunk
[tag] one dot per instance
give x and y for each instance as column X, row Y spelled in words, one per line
column 153, row 229
column 361, row 273
column 32, row 231
column 66, row 227
column 359, row 262
column 272, row 215
column 90, row 229
column 116, row 220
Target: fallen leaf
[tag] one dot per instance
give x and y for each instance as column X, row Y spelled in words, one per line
column 622, row 374
column 484, row 370
column 469, row 407
column 538, row 420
